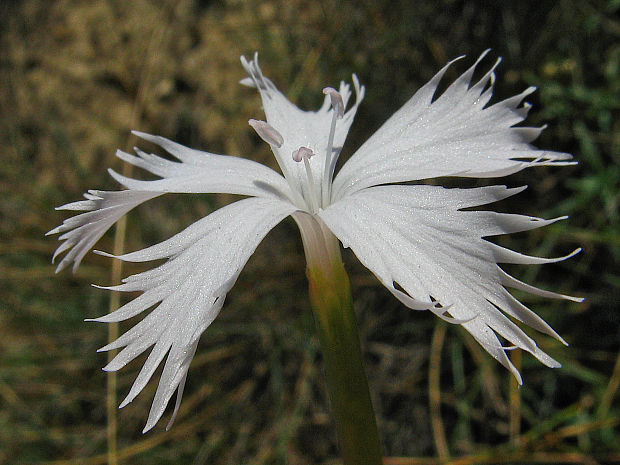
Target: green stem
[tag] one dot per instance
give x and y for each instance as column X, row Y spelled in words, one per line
column 330, row 295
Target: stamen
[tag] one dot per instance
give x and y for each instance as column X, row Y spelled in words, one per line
column 338, row 113
column 336, row 99
column 270, row 135
column 267, row 132
column 304, row 153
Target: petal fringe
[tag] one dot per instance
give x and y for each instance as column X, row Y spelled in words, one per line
column 420, row 238
column 457, row 134
column 187, row 292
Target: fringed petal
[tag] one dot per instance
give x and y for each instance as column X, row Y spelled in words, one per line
column 419, row 237
column 201, row 172
column 187, row 292
column 196, row 172
column 457, row 134
column 82, row 231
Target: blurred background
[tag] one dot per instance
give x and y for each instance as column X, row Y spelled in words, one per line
column 77, row 76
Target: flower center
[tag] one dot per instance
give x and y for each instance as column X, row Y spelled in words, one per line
column 310, row 195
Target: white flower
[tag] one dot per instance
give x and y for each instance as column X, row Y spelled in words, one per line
column 418, row 240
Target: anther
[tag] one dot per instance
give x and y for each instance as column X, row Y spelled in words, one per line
column 336, row 100
column 267, row 132
column 301, row 153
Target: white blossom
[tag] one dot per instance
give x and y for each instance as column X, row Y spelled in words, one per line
column 424, row 243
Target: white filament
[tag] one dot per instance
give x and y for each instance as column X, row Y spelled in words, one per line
column 304, row 153
column 337, row 113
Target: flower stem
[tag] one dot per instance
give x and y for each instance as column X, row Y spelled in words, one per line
column 330, row 295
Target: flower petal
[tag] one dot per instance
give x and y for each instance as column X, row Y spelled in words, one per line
column 457, row 134
column 303, row 128
column 417, row 239
column 83, row 231
column 196, row 172
column 203, row 263
column 201, row 172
